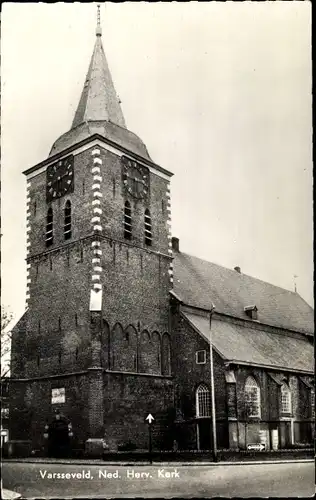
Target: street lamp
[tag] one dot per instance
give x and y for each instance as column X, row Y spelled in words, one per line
column 213, row 390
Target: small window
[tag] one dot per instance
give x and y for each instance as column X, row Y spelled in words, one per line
column 67, row 221
column 148, row 234
column 200, row 357
column 49, row 227
column 252, row 398
column 286, row 406
column 203, row 406
column 127, row 221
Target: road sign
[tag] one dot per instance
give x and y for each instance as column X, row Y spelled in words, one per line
column 256, row 447
column 150, row 418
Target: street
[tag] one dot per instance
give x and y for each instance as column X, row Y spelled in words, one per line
column 103, row 481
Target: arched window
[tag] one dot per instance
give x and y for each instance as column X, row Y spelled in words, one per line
column 148, row 234
column 127, row 221
column 67, row 221
column 203, row 407
column 252, row 398
column 49, row 227
column 286, row 403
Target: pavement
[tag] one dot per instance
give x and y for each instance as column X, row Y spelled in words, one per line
column 96, row 461
column 9, row 495
column 97, row 479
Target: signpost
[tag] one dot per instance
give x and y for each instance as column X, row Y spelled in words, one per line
column 256, row 447
column 150, row 420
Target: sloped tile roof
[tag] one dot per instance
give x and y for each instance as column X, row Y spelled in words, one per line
column 200, row 283
column 249, row 345
column 109, row 130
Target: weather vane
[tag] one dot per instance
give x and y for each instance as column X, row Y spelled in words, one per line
column 295, row 276
column 98, row 30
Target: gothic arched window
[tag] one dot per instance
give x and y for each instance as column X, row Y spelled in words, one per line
column 202, row 401
column 286, row 400
column 252, row 398
column 49, row 227
column 67, row 221
column 148, row 233
column 127, row 221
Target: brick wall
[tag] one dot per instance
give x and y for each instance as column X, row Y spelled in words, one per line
column 135, row 279
column 31, row 407
column 188, row 374
column 128, row 399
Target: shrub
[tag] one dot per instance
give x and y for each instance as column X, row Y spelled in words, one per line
column 127, row 446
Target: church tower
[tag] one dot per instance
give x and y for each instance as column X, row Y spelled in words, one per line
column 94, row 341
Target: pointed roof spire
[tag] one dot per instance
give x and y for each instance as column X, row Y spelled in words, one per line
column 99, row 100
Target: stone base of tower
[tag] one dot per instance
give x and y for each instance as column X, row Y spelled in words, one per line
column 102, row 407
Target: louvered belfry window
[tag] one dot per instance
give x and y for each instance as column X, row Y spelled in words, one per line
column 203, row 406
column 148, row 233
column 67, row 221
column 127, row 221
column 49, row 227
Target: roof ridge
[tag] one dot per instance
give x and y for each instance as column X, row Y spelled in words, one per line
column 244, row 274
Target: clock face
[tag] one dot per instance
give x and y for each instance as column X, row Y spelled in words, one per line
column 60, row 178
column 135, row 178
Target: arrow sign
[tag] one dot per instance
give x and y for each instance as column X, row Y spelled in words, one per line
column 256, row 447
column 150, row 418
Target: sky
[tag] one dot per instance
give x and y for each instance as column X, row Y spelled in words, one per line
column 220, row 92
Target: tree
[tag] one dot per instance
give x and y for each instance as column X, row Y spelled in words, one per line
column 6, row 318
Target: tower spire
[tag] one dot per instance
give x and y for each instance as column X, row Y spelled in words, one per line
column 99, row 101
column 98, row 30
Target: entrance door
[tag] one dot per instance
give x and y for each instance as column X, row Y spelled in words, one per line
column 204, row 434
column 58, row 438
column 285, row 434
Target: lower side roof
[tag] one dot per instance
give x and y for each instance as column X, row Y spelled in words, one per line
column 238, row 343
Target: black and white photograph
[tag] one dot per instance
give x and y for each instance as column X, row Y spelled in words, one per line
column 157, row 308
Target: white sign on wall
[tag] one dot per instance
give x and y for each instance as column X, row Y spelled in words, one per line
column 58, row 395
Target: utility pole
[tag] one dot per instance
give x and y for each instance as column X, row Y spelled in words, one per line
column 213, row 390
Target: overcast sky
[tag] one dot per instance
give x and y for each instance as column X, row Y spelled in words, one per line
column 219, row 92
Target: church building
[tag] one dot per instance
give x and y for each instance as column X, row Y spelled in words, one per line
column 119, row 322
